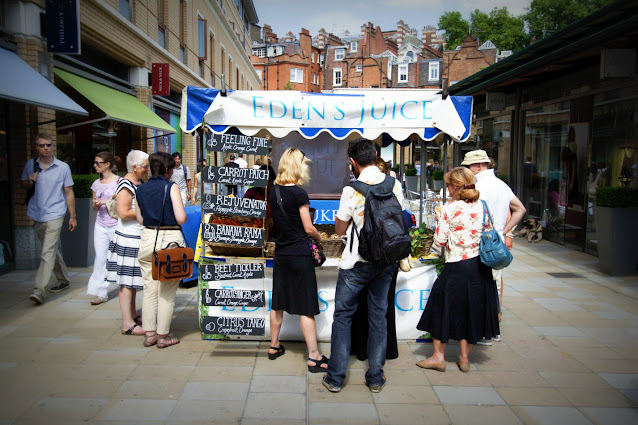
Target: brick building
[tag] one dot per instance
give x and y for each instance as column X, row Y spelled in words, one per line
column 291, row 63
column 201, row 40
column 469, row 59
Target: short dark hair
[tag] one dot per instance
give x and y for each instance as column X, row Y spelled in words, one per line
column 362, row 151
column 160, row 163
column 176, row 154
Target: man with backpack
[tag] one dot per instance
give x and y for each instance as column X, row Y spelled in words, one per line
column 370, row 215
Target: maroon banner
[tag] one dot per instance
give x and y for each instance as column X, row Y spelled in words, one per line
column 161, row 81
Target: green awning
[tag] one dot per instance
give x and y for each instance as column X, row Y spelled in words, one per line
column 117, row 106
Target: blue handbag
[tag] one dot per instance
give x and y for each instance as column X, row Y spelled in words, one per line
column 494, row 253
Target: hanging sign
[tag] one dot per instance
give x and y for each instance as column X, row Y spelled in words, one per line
column 161, row 81
column 233, row 297
column 236, row 176
column 229, row 205
column 235, row 235
column 238, row 143
column 233, row 325
column 63, row 26
column 225, row 271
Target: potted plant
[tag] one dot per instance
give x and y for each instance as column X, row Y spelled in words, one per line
column 437, row 179
column 421, row 238
column 411, row 179
column 616, row 227
column 77, row 246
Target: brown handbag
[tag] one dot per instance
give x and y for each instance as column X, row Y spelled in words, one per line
column 171, row 263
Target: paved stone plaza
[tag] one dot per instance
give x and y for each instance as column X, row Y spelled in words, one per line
column 569, row 355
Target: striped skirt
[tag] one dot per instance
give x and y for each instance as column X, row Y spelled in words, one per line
column 122, row 266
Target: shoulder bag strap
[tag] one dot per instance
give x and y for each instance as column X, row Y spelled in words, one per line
column 161, row 216
column 486, row 209
column 280, row 202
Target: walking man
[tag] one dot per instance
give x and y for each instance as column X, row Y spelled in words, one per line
column 356, row 274
column 500, row 200
column 50, row 182
column 182, row 177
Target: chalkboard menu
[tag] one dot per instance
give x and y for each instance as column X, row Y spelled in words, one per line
column 234, row 235
column 236, row 176
column 238, row 143
column 232, row 297
column 226, row 271
column 225, row 325
column 230, row 205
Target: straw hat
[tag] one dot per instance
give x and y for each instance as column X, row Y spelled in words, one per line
column 475, row 157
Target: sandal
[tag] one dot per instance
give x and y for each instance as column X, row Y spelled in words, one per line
column 279, row 352
column 149, row 341
column 130, row 331
column 317, row 367
column 138, row 320
column 166, row 341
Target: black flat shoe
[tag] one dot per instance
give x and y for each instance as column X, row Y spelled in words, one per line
column 280, row 352
column 317, row 367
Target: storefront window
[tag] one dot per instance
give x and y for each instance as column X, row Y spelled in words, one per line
column 494, row 136
column 6, row 216
column 614, row 150
column 544, row 175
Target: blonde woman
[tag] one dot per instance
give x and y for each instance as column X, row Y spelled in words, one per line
column 462, row 303
column 294, row 280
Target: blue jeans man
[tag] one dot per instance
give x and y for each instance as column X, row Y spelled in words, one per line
column 377, row 279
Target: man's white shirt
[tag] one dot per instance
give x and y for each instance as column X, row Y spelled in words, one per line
column 497, row 194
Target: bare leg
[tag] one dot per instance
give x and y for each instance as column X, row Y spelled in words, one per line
column 276, row 317
column 439, row 352
column 500, row 300
column 465, row 349
column 127, row 307
column 309, row 331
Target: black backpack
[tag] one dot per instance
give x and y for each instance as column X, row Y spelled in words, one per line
column 384, row 236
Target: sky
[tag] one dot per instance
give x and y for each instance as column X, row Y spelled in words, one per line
column 336, row 16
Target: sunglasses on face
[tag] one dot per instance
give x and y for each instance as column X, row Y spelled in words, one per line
column 99, row 162
column 45, row 145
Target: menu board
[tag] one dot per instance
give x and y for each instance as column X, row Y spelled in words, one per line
column 238, row 143
column 234, row 235
column 226, row 271
column 230, row 205
column 226, row 325
column 232, row 297
column 236, row 176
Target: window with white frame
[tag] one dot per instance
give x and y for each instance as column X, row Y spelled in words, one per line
column 359, row 67
column 259, row 52
column 296, row 75
column 336, row 77
column 434, row 71
column 258, row 72
column 354, row 45
column 403, row 74
column 201, row 38
column 340, row 54
column 312, row 55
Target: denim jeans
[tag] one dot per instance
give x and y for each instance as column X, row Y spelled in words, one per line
column 377, row 278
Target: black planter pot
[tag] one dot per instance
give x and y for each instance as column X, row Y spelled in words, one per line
column 616, row 230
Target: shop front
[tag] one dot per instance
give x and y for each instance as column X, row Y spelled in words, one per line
column 560, row 118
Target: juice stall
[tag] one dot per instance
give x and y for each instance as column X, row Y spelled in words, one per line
column 234, row 271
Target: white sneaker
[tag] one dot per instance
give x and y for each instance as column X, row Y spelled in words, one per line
column 497, row 338
column 484, row 341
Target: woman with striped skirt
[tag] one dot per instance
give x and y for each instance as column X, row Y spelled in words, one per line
column 122, row 266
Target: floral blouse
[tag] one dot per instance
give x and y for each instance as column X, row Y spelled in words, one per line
column 459, row 230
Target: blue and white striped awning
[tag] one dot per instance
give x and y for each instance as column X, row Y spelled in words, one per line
column 397, row 113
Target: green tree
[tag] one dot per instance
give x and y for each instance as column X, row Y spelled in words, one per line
column 455, row 27
column 289, row 86
column 506, row 31
column 545, row 17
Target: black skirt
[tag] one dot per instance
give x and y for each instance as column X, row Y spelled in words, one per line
column 294, row 285
column 463, row 303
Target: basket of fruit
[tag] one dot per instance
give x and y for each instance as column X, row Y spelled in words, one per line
column 332, row 244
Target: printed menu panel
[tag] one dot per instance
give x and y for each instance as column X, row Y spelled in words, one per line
column 224, row 325
column 238, row 143
column 230, row 205
column 233, row 297
column 234, row 235
column 226, row 271
column 236, row 176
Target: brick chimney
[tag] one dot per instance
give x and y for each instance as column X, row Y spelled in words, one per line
column 305, row 41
